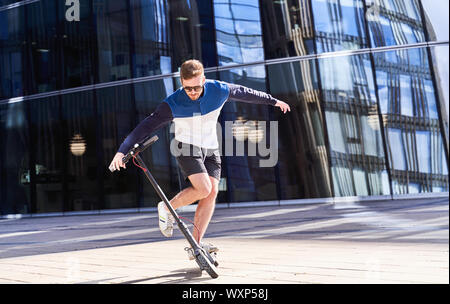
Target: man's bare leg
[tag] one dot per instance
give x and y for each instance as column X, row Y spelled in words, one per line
column 201, row 187
column 205, row 210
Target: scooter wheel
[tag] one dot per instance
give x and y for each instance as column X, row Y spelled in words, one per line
column 213, row 258
column 205, row 264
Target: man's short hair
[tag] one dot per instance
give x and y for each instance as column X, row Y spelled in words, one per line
column 190, row 69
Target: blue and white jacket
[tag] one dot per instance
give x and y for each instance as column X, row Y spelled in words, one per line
column 195, row 120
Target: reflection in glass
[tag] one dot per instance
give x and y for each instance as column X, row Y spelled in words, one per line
column 14, row 159
column 238, row 31
column 356, row 149
column 409, row 109
column 394, row 22
column 246, row 179
column 111, row 19
column 192, row 31
column 168, row 32
column 339, row 25
column 303, row 161
column 287, row 28
column 151, row 33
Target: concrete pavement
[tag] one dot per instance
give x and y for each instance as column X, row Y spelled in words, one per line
column 400, row 241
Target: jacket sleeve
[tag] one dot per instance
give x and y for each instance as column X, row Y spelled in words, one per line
column 244, row 94
column 158, row 119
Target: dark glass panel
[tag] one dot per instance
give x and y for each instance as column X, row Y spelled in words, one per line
column 208, row 35
column 287, row 27
column 116, row 113
column 14, row 159
column 253, row 154
column 113, row 39
column 159, row 160
column 78, row 114
column 12, row 50
column 42, row 46
column 303, row 161
column 47, row 138
column 192, row 32
column 77, row 47
column 151, row 33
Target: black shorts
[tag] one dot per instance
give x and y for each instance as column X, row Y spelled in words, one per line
column 192, row 159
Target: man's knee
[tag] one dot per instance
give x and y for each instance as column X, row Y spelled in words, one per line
column 203, row 191
column 214, row 189
column 203, row 187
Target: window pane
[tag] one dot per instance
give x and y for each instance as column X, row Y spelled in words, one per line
column 410, row 114
column 12, row 50
column 339, row 25
column 111, row 18
column 77, row 40
column 14, row 159
column 41, row 45
column 47, row 139
column 356, row 148
column 238, row 40
column 250, row 168
column 303, row 161
column 81, row 151
column 116, row 112
column 287, row 27
column 394, row 22
column 159, row 160
column 423, row 143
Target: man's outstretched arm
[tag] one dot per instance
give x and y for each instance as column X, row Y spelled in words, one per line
column 158, row 119
column 244, row 94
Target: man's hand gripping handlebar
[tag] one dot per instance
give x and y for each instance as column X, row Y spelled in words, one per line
column 120, row 159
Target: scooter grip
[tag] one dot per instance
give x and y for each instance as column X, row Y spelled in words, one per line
column 126, row 158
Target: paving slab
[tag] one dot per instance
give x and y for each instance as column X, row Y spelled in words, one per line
column 394, row 242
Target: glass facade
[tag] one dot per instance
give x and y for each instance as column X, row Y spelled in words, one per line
column 367, row 82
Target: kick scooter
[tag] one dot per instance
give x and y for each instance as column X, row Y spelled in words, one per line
column 205, row 260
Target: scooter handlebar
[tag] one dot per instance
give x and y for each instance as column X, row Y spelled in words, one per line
column 139, row 148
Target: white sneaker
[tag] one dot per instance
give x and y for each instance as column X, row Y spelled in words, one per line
column 165, row 220
column 207, row 246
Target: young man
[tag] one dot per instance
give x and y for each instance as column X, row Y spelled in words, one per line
column 194, row 106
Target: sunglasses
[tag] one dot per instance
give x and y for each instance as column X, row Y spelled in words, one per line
column 195, row 89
